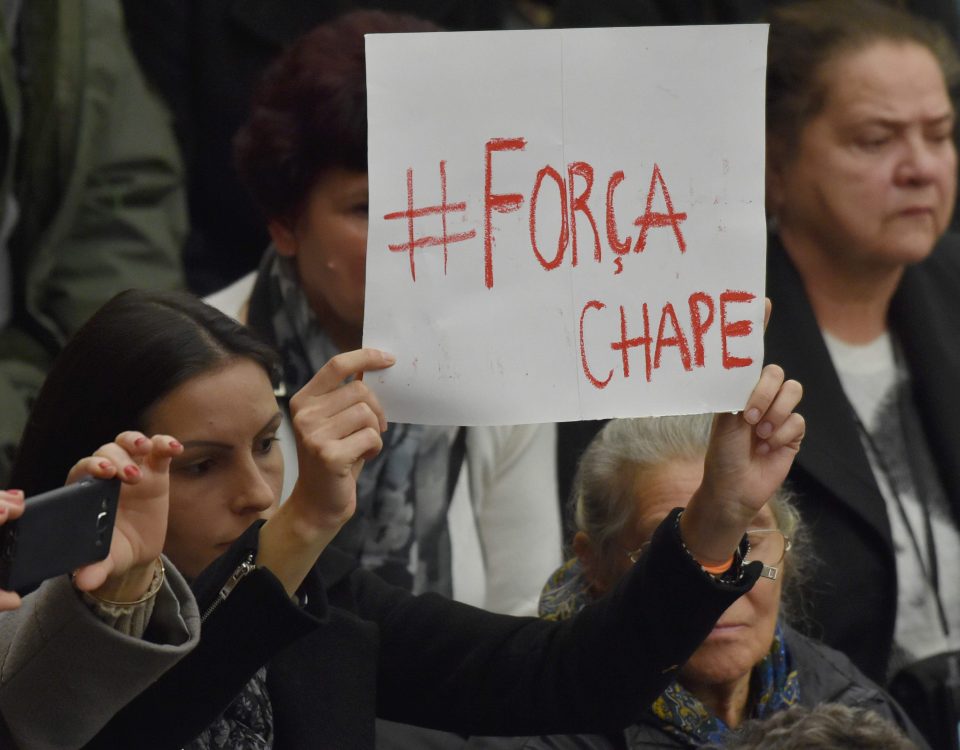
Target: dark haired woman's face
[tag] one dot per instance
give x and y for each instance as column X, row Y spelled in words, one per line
column 329, row 246
column 872, row 182
column 231, row 470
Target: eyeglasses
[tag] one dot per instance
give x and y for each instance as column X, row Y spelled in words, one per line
column 766, row 545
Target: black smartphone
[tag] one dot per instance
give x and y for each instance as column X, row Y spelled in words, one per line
column 59, row 531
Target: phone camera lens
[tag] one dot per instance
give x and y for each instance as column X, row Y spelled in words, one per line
column 103, row 523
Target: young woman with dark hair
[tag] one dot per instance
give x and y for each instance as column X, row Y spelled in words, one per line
column 298, row 650
column 136, row 335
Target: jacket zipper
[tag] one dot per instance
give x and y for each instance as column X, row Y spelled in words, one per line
column 245, row 567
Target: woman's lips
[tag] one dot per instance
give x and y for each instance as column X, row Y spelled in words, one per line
column 916, row 211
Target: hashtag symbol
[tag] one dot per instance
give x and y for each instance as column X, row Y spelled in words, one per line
column 412, row 213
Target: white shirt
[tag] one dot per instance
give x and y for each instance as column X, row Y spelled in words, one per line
column 871, row 380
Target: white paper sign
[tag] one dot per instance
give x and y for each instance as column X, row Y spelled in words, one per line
column 566, row 224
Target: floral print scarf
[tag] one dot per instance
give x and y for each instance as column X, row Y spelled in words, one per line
column 774, row 687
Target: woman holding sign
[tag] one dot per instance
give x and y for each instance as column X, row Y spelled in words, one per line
column 861, row 183
column 298, row 650
column 753, row 665
column 468, row 513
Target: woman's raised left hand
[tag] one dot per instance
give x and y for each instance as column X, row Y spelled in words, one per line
column 337, row 421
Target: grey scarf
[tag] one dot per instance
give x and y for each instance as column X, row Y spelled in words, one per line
column 399, row 529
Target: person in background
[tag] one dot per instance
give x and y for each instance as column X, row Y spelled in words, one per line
column 77, row 649
column 205, row 57
column 861, row 179
column 575, row 13
column 91, row 189
column 300, row 651
column 467, row 512
column 752, row 664
column 573, row 437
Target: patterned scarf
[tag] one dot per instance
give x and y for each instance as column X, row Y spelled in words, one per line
column 246, row 723
column 774, row 685
column 399, row 529
column 565, row 593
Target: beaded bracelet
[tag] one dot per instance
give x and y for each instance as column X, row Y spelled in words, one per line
column 716, row 570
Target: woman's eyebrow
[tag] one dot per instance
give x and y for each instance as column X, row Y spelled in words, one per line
column 896, row 122
column 944, row 119
column 272, row 424
column 206, row 444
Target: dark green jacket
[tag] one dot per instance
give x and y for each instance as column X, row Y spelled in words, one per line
column 98, row 182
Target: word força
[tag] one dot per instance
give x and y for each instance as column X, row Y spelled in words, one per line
column 701, row 308
column 571, row 204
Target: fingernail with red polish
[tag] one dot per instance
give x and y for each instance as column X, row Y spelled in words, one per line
column 104, row 465
column 139, row 441
column 131, row 471
column 175, row 444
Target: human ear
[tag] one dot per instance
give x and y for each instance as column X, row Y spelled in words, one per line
column 585, row 553
column 283, row 236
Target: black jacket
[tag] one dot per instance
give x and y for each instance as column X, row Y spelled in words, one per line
column 360, row 648
column 852, row 601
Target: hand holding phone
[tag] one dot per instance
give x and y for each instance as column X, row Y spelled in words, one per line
column 114, row 534
column 142, row 464
column 56, row 532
